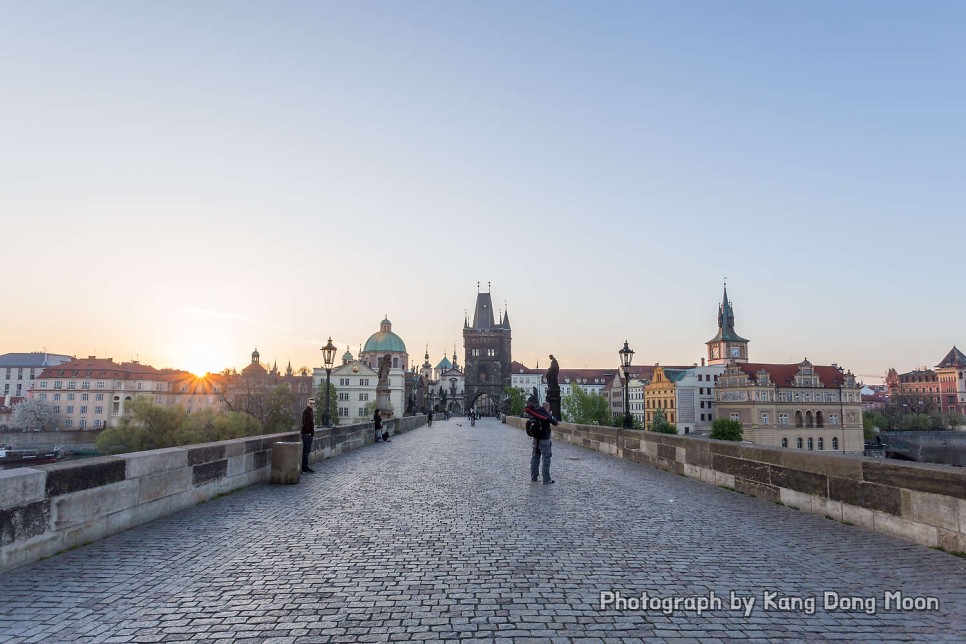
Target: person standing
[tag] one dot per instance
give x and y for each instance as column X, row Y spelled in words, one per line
column 308, row 433
column 542, row 447
column 377, row 424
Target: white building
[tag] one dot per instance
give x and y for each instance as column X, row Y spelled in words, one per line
column 694, row 391
column 18, row 371
column 93, row 393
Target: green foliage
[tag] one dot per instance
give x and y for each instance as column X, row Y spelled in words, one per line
column 955, row 419
column 517, row 399
column 872, row 420
column 320, row 404
column 284, row 410
column 150, row 426
column 661, row 425
column 618, row 421
column 915, row 422
column 726, row 430
column 585, row 408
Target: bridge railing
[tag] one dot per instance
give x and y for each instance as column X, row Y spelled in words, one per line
column 914, row 501
column 50, row 508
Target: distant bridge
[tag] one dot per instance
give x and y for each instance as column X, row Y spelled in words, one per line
column 946, row 448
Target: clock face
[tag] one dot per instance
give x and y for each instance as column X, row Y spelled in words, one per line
column 355, row 369
column 735, row 352
column 715, row 352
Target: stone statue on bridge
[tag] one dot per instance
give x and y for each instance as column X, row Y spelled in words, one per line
column 384, row 363
column 553, row 387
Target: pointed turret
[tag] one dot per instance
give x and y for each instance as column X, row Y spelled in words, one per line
column 954, row 359
column 727, row 344
column 483, row 316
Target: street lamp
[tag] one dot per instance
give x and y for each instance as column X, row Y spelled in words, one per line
column 626, row 354
column 328, row 359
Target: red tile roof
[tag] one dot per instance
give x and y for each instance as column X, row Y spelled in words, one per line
column 102, row 368
column 783, row 375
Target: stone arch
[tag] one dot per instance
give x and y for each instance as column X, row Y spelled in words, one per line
column 809, row 420
column 799, row 419
column 819, row 419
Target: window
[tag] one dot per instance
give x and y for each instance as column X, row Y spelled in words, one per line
column 821, row 443
column 784, row 442
column 810, row 444
column 98, row 396
column 833, row 419
column 734, row 416
column 100, row 384
column 140, row 385
column 68, row 423
column 43, row 384
column 343, row 382
column 83, row 409
column 764, row 419
column 491, row 353
column 70, row 396
column 798, row 443
column 362, row 411
column 83, row 423
column 99, row 409
column 343, row 411
column 363, row 382
column 835, row 442
column 85, row 396
column 363, row 395
column 97, row 423
column 42, row 396
column 72, row 384
column 70, row 409
column 782, row 419
column 56, row 409
column 343, row 395
column 56, row 396
column 86, row 384
column 158, row 399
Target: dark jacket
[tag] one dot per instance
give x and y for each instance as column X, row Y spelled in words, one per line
column 308, row 421
column 377, row 419
column 545, row 428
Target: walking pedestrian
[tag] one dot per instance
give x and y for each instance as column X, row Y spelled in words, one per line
column 542, row 446
column 308, row 433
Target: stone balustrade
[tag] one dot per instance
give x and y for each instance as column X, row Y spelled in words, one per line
column 918, row 502
column 50, row 508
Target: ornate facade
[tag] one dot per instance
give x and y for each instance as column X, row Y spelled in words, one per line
column 801, row 406
column 727, row 345
column 925, row 390
column 488, row 357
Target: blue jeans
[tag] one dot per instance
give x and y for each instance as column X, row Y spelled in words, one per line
column 540, row 449
column 306, row 448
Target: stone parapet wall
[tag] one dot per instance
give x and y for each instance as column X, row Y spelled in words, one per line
column 914, row 501
column 50, row 508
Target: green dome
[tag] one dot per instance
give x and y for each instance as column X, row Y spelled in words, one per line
column 385, row 340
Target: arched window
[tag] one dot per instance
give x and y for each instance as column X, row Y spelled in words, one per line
column 811, row 445
column 809, row 422
column 819, row 420
column 835, row 443
column 784, row 442
column 821, row 443
column 798, row 443
column 798, row 421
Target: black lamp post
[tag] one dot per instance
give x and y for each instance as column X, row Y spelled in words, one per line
column 328, row 359
column 626, row 354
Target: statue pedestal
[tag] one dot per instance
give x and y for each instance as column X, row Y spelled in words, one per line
column 382, row 402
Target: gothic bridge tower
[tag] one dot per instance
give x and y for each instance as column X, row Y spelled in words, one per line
column 487, row 361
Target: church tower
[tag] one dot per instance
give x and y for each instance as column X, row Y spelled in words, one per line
column 727, row 345
column 487, row 359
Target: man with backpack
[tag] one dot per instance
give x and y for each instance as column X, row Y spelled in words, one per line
column 538, row 427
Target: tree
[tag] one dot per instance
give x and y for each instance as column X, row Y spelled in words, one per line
column 518, row 399
column 35, row 415
column 915, row 422
column 283, row 408
column 661, row 425
column 150, row 426
column 585, row 408
column 320, row 404
column 955, row 419
column 872, row 420
column 726, row 430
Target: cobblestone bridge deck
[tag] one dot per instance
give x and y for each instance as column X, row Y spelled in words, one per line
column 441, row 535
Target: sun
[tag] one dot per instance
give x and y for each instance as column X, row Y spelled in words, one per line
column 197, row 359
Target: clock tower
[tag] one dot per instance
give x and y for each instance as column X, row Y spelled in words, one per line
column 727, row 345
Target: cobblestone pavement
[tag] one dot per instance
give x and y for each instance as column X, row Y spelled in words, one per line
column 440, row 535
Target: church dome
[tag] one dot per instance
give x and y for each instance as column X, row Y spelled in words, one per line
column 385, row 341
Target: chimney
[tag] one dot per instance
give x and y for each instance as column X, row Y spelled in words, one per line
column 702, row 362
column 92, row 357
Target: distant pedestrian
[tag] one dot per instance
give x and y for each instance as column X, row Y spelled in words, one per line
column 308, row 433
column 542, row 445
column 377, row 425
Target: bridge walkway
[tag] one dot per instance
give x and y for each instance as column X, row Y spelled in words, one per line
column 440, row 535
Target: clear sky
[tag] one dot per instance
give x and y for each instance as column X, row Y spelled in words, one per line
column 183, row 181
